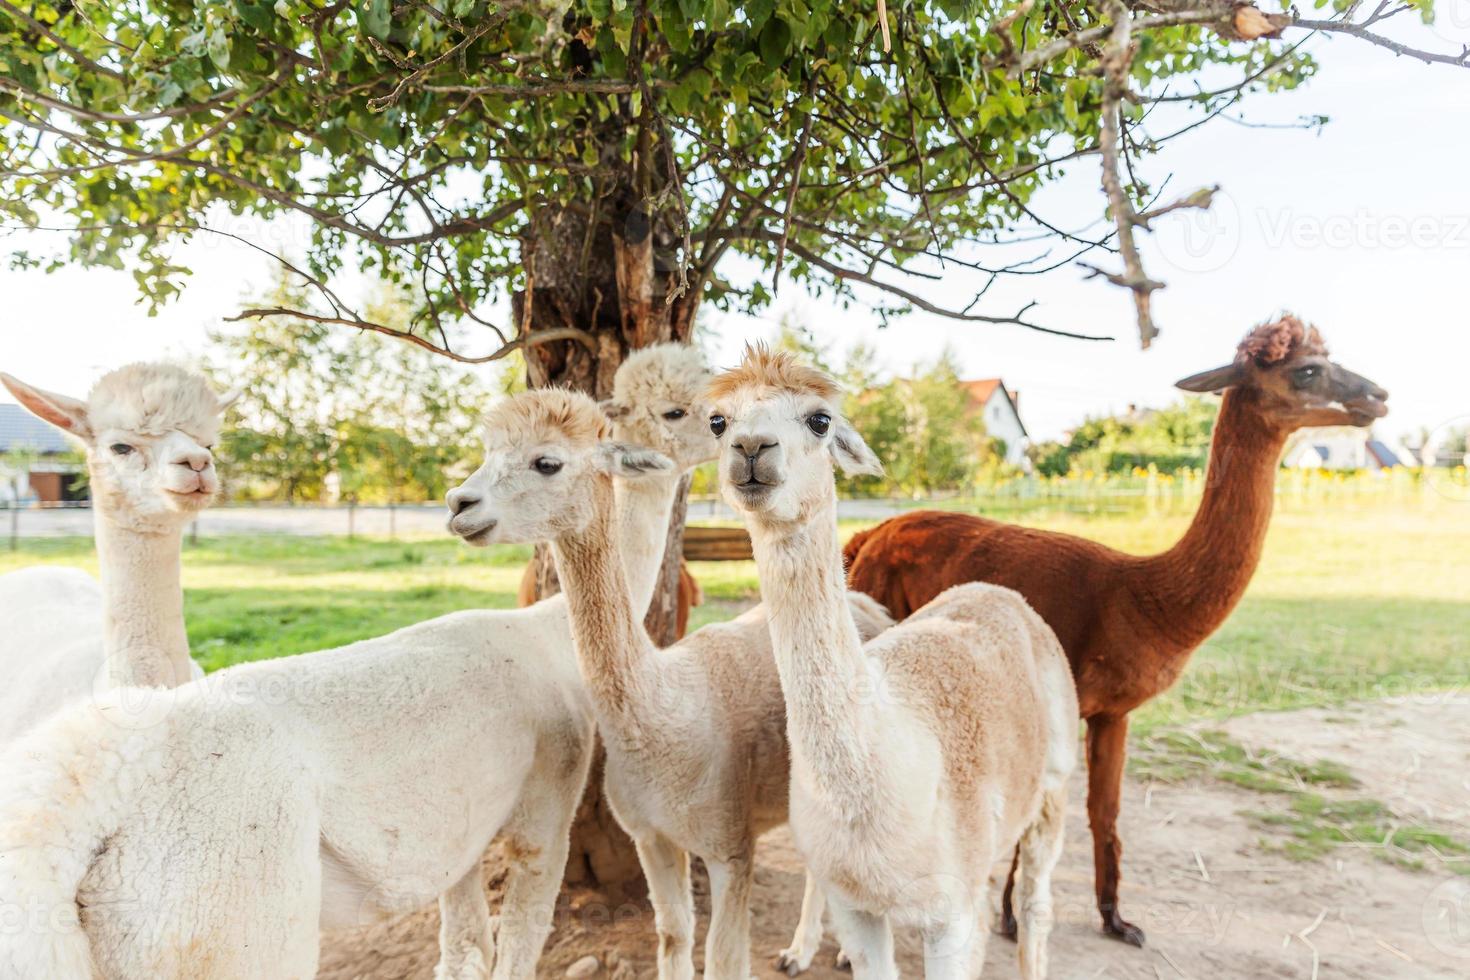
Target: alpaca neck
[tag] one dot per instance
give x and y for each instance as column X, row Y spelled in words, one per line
column 144, row 639
column 831, row 712
column 644, row 507
column 613, row 651
column 1196, row 584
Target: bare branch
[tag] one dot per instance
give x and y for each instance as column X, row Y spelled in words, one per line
column 533, row 339
column 1360, row 31
column 913, row 299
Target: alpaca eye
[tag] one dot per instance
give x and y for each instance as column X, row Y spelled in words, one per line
column 717, row 425
column 1304, row 376
column 546, row 466
column 819, row 423
column 675, row 414
column 121, row 448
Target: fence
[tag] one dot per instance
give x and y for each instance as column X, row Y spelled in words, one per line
column 391, row 521
column 1142, row 493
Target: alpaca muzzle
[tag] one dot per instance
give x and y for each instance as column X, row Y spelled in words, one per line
column 1363, row 399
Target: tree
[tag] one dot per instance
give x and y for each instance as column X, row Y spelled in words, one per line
column 596, row 159
column 385, row 419
column 593, row 161
column 931, row 438
column 1171, row 438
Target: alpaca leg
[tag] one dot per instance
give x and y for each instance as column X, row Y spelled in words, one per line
column 727, row 947
column 537, row 836
column 795, row 958
column 466, row 941
column 1007, row 908
column 867, row 940
column 1041, row 848
column 667, row 869
column 1107, row 742
column 954, row 949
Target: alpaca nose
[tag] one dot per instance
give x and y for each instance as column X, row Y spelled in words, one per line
column 753, row 445
column 197, row 460
column 460, row 500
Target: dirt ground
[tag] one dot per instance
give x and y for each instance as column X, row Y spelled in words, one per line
column 1202, row 879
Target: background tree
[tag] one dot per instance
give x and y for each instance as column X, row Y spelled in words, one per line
column 1172, row 438
column 320, row 406
column 589, row 163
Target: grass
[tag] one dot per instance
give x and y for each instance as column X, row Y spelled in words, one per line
column 1350, row 602
column 1320, row 814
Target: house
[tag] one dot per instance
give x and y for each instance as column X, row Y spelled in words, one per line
column 1000, row 409
column 52, row 470
column 1344, row 449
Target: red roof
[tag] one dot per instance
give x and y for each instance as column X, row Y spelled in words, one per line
column 980, row 390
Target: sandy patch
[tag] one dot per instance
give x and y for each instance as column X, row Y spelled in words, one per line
column 1199, row 878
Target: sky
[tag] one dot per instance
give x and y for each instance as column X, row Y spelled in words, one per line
column 1362, row 227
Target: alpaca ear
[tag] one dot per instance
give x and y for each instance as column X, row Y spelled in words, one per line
column 852, row 454
column 63, row 412
column 632, row 462
column 612, row 409
column 229, row 398
column 1217, row 380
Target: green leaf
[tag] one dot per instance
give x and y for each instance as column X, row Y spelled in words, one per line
column 218, row 49
column 376, row 17
column 775, row 42
column 257, row 15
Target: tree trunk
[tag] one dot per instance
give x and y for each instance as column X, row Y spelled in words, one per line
column 607, row 271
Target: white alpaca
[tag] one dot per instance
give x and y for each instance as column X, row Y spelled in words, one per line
column 148, row 430
column 695, row 734
column 275, row 799
column 921, row 758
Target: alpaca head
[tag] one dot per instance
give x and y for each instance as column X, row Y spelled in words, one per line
column 781, row 431
column 1285, row 364
column 546, row 452
column 149, row 431
column 658, row 401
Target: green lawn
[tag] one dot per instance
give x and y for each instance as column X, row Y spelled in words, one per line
column 1350, row 602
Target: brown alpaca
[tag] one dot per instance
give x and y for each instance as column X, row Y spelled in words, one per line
column 1129, row 623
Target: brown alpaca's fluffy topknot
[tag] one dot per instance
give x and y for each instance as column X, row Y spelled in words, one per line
column 1272, row 343
column 762, row 367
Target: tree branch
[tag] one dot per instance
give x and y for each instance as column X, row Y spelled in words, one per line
column 534, row 339
column 853, row 275
column 1116, row 58
column 1360, row 31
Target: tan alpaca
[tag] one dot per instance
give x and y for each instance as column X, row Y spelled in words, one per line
column 918, row 759
column 695, row 734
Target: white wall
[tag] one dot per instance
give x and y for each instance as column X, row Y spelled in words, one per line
column 1001, row 423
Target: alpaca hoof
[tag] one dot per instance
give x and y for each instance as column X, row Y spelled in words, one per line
column 1127, row 932
column 793, row 963
column 844, row 962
